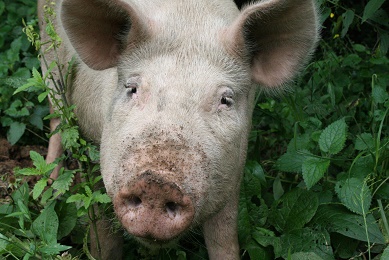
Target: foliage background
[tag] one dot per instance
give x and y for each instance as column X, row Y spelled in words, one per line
column 316, row 180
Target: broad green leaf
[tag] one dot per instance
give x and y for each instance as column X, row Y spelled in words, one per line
column 305, row 256
column 354, row 194
column 336, row 218
column 385, row 254
column 38, row 188
column 250, row 214
column 67, row 216
column 371, row 7
column 256, row 251
column 313, row 170
column 291, row 161
column 53, row 249
column 379, row 95
column 46, row 225
column 15, row 132
column 295, row 209
column 306, row 240
column 256, row 170
column 333, row 137
column 348, row 18
column 364, row 141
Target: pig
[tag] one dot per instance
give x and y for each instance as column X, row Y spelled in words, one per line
column 167, row 89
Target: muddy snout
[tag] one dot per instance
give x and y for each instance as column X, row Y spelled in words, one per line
column 154, row 209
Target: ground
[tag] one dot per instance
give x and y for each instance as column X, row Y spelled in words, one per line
column 11, row 157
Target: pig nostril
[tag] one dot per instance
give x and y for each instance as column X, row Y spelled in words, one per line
column 171, row 207
column 134, row 201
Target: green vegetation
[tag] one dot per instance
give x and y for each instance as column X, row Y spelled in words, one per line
column 316, row 180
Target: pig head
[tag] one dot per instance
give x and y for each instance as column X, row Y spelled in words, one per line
column 167, row 88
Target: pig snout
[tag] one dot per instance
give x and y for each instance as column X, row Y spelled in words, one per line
column 154, row 209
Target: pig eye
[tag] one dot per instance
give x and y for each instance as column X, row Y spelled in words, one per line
column 226, row 101
column 132, row 85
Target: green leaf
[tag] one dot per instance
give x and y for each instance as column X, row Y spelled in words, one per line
column 3, row 243
column 67, row 216
column 46, row 225
column 364, row 141
column 305, row 256
column 336, row 218
column 76, row 198
column 295, row 209
column 101, row 198
column 308, row 241
column 38, row 188
column 385, row 254
column 313, row 170
column 69, row 137
column 63, row 182
column 371, row 7
column 348, row 18
column 53, row 249
column 333, row 137
column 379, row 95
column 15, row 132
column 291, row 161
column 354, row 194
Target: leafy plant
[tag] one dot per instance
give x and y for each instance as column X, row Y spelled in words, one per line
column 315, row 185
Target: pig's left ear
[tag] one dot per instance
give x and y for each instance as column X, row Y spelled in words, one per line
column 279, row 35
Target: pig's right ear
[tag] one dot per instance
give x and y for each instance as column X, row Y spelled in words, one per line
column 101, row 30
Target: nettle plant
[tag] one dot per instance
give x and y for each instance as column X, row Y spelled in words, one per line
column 33, row 222
column 326, row 196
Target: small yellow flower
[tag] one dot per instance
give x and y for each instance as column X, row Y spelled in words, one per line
column 332, row 15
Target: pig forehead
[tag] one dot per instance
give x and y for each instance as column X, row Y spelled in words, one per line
column 177, row 67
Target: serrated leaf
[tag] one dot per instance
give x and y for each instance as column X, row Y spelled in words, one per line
column 379, row 95
column 291, row 161
column 28, row 171
column 354, row 194
column 305, row 256
column 371, row 7
column 63, row 182
column 295, row 209
column 101, row 198
column 313, row 170
column 364, row 141
column 336, row 218
column 333, row 137
column 69, row 137
column 76, row 198
column 53, row 249
column 38, row 188
column 306, row 240
column 46, row 224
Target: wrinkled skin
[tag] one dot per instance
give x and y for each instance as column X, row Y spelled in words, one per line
column 167, row 88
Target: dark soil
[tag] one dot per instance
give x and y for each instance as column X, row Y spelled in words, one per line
column 12, row 157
